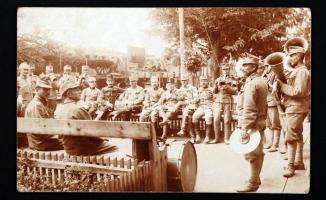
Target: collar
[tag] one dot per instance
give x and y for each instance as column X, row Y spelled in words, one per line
column 252, row 76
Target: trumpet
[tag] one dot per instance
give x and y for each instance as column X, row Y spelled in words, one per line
column 276, row 61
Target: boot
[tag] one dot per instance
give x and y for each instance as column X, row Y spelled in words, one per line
column 269, row 139
column 216, row 133
column 276, row 141
column 191, row 133
column 215, row 139
column 298, row 164
column 197, row 132
column 289, row 170
column 254, row 181
column 209, row 129
column 227, row 133
column 184, row 125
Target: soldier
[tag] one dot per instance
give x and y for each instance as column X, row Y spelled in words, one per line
column 83, row 77
column 25, row 92
column 69, row 109
column 152, row 96
column 108, row 96
column 205, row 109
column 130, row 101
column 253, row 115
column 90, row 96
column 187, row 103
column 49, row 71
column 32, row 77
column 168, row 107
column 53, row 97
column 37, row 108
column 223, row 103
column 273, row 120
column 296, row 94
column 67, row 75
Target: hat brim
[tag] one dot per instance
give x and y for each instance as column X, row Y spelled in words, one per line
column 240, row 148
column 44, row 86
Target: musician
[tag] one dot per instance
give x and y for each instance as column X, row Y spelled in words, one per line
column 296, row 94
column 223, row 103
column 253, row 115
column 205, row 100
column 152, row 96
column 273, row 118
column 187, row 103
column 130, row 101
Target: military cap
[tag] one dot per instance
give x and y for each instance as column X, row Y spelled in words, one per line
column 67, row 67
column 133, row 78
column 295, row 49
column 66, row 86
column 24, row 65
column 250, row 59
column 109, row 77
column 184, row 77
column 154, row 78
column 225, row 66
column 170, row 80
column 203, row 77
column 43, row 83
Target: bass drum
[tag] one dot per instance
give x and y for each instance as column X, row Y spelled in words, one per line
column 181, row 166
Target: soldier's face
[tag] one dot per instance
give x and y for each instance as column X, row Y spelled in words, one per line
column 92, row 83
column 154, row 84
column 24, row 72
column 184, row 82
column 204, row 83
column 109, row 83
column 169, row 86
column 248, row 68
column 133, row 83
column 43, row 92
column 74, row 93
column 294, row 59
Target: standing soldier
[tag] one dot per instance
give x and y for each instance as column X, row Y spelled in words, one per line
column 223, row 103
column 253, row 116
column 187, row 103
column 205, row 109
column 130, row 101
column 37, row 108
column 152, row 96
column 90, row 96
column 49, row 71
column 168, row 107
column 273, row 120
column 296, row 94
column 67, row 75
column 108, row 96
column 83, row 77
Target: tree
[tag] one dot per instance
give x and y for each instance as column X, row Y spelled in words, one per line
column 220, row 32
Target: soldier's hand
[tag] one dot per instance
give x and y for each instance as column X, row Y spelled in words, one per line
column 244, row 139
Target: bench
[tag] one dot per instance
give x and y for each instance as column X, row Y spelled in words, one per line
column 144, row 170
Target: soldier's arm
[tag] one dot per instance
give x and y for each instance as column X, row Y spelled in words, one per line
column 140, row 97
column 249, row 112
column 300, row 87
column 83, row 95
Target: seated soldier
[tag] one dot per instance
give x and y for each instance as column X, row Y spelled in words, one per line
column 91, row 96
column 67, row 75
column 168, row 105
column 108, row 96
column 152, row 96
column 69, row 109
column 130, row 101
column 205, row 109
column 37, row 108
column 187, row 97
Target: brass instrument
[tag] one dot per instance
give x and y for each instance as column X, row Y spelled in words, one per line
column 275, row 60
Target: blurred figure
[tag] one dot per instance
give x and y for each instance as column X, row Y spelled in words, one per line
column 90, row 97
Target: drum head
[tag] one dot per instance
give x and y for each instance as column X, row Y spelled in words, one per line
column 188, row 168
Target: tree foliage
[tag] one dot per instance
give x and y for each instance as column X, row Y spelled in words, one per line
column 219, row 32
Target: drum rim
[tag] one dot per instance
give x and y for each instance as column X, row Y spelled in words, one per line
column 196, row 164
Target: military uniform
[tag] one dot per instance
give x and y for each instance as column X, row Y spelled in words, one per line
column 130, row 101
column 253, row 113
column 151, row 106
column 223, row 106
column 90, row 98
column 205, row 100
column 188, row 95
column 37, row 108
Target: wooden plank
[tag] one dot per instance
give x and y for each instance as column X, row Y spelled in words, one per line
column 119, row 129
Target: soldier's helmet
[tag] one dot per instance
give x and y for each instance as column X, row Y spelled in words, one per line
column 23, row 65
column 67, row 85
column 184, row 77
column 296, row 45
column 43, row 82
column 250, row 59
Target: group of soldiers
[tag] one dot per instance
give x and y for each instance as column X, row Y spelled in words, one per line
column 262, row 99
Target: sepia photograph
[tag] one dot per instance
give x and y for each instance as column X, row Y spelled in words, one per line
column 178, row 99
